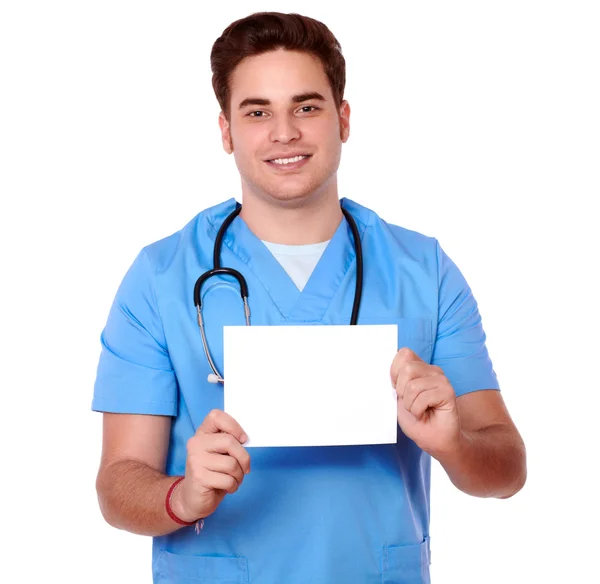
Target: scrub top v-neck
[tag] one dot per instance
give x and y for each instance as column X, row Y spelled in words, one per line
column 294, row 306
column 298, row 261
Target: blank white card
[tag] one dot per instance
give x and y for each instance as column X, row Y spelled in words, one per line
column 311, row 385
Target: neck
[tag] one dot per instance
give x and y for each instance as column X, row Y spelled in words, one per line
column 314, row 221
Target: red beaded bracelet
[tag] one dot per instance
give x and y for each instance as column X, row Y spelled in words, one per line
column 199, row 523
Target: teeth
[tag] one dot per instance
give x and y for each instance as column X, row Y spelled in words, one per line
column 288, row 160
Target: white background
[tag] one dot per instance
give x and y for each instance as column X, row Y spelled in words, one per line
column 474, row 122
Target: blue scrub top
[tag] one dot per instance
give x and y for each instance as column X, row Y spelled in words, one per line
column 318, row 515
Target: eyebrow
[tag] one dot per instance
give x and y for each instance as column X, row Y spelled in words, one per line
column 295, row 99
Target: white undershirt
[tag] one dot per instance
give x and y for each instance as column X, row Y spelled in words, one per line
column 298, row 261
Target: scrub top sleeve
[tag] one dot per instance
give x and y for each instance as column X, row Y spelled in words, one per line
column 459, row 347
column 135, row 374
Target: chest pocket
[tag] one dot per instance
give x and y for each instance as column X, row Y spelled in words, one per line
column 415, row 333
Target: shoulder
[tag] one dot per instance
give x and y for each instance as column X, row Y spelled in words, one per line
column 376, row 230
column 195, row 237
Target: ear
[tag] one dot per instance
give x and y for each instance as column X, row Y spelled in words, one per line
column 344, row 121
column 225, row 133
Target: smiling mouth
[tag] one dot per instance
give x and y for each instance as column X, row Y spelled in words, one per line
column 289, row 163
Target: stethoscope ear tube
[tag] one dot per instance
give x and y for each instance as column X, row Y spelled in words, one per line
column 215, row 377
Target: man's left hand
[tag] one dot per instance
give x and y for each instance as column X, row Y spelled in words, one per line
column 427, row 409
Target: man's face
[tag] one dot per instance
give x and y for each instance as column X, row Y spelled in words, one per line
column 282, row 107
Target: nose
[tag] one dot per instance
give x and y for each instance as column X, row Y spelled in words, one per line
column 284, row 129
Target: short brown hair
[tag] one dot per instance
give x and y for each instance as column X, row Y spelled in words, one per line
column 262, row 32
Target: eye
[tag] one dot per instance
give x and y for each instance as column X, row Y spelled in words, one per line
column 256, row 114
column 307, row 109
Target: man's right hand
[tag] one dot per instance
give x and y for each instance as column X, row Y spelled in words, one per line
column 216, row 465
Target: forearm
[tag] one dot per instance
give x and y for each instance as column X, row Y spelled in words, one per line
column 490, row 462
column 132, row 497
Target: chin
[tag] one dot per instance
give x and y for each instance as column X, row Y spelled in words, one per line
column 298, row 192
column 290, row 194
column 290, row 198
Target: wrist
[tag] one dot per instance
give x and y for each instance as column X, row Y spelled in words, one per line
column 176, row 504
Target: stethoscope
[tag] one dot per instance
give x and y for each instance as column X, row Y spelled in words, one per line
column 215, row 377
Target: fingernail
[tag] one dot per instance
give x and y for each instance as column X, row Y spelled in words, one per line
column 244, row 437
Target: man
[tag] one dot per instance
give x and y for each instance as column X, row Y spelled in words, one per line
column 174, row 464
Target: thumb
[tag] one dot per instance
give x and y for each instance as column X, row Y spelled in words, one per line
column 403, row 356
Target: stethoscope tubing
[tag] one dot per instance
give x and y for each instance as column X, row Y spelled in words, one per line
column 216, row 377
